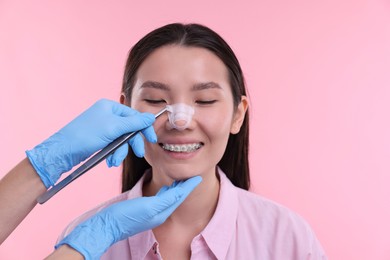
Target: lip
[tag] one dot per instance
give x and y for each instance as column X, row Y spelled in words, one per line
column 180, row 155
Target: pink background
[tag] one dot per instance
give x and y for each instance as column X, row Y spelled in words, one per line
column 319, row 83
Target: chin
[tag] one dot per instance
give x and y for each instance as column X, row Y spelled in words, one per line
column 179, row 172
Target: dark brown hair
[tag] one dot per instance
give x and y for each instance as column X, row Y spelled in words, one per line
column 234, row 162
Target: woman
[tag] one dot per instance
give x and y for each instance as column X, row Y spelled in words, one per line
column 192, row 66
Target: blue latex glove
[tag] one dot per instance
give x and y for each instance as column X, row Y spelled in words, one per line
column 91, row 131
column 126, row 218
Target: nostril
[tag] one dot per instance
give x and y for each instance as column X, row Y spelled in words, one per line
column 181, row 122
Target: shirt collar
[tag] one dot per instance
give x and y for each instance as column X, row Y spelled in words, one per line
column 219, row 232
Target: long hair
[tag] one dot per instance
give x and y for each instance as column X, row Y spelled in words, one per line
column 234, row 162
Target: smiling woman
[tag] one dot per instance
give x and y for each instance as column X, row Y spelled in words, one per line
column 194, row 40
column 192, row 67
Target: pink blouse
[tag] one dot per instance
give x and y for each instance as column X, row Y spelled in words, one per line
column 244, row 226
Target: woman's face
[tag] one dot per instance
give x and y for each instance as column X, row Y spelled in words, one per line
column 194, row 76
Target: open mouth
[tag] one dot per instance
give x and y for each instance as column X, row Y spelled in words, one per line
column 181, row 148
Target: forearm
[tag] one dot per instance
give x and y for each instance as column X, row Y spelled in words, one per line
column 19, row 190
column 65, row 252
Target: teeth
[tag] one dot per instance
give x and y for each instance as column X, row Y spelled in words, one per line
column 182, row 148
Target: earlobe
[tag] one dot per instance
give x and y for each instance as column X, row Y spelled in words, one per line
column 239, row 115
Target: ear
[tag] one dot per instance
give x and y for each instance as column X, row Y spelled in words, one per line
column 239, row 115
column 123, row 99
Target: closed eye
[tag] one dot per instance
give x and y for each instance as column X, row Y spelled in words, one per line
column 206, row 102
column 155, row 101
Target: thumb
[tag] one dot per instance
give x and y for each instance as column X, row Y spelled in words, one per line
column 137, row 122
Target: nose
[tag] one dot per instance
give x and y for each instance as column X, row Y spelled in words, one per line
column 179, row 116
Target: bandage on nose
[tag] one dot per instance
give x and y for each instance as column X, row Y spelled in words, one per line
column 180, row 115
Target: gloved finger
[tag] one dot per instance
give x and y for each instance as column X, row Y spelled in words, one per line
column 116, row 158
column 174, row 184
column 137, row 144
column 188, row 186
column 170, row 199
column 122, row 110
column 109, row 161
column 150, row 134
column 165, row 188
column 162, row 190
column 135, row 122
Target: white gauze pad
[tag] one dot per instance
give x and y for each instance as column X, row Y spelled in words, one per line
column 180, row 115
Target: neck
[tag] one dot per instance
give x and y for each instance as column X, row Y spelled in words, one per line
column 198, row 208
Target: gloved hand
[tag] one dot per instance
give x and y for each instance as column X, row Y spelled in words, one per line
column 91, row 131
column 126, row 218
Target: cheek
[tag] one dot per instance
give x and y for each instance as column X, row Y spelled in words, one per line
column 216, row 123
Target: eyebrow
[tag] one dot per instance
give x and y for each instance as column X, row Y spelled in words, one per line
column 196, row 87
column 155, row 84
column 208, row 85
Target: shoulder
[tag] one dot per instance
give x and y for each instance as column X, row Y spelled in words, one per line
column 265, row 208
column 90, row 213
column 268, row 214
column 282, row 227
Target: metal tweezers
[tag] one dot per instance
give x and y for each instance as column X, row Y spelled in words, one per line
column 92, row 162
